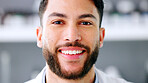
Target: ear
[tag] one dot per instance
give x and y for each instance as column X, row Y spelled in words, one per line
column 39, row 36
column 102, row 35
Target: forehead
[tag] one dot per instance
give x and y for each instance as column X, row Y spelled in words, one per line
column 71, row 7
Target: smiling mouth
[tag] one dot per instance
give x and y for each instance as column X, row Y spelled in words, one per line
column 72, row 52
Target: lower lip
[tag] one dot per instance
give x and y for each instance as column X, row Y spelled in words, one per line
column 72, row 57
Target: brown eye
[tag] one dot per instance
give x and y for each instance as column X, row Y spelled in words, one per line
column 58, row 22
column 86, row 23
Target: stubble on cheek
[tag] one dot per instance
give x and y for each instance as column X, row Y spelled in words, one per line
column 51, row 60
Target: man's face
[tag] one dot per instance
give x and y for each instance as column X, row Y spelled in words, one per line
column 70, row 37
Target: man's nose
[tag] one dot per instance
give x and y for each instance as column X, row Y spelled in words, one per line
column 72, row 34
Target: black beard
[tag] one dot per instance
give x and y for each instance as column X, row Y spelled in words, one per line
column 55, row 67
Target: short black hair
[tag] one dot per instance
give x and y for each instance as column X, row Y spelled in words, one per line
column 98, row 3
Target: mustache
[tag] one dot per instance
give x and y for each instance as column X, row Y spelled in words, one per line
column 74, row 44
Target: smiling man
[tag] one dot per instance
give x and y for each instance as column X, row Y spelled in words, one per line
column 70, row 37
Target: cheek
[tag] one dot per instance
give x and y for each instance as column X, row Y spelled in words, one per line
column 94, row 40
column 50, row 40
column 91, row 38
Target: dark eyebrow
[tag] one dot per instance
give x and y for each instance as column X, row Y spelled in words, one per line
column 86, row 16
column 57, row 14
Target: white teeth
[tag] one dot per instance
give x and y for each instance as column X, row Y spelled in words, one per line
column 72, row 52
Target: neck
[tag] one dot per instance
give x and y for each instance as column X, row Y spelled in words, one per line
column 53, row 78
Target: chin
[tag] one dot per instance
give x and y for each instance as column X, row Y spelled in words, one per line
column 72, row 69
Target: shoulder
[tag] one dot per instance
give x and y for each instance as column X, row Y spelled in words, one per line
column 31, row 81
column 40, row 77
column 104, row 78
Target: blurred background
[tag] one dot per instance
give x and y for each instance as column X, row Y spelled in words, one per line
column 125, row 51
